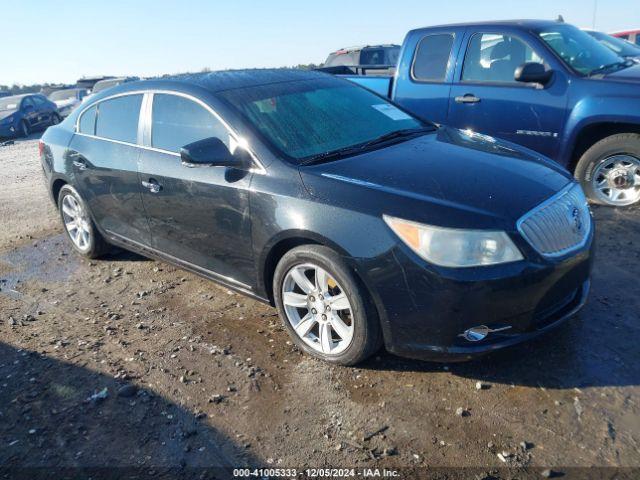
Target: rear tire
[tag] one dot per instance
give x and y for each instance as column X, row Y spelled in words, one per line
column 342, row 295
column 609, row 171
column 79, row 227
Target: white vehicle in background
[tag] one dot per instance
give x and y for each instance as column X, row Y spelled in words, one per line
column 622, row 47
column 110, row 82
column 68, row 99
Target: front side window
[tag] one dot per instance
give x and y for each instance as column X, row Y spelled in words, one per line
column 313, row 117
column 178, row 121
column 87, row 123
column 494, row 58
column 118, row 118
column 28, row 102
column 432, row 57
column 39, row 101
column 579, row 50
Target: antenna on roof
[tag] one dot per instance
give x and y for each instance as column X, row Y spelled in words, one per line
column 560, row 19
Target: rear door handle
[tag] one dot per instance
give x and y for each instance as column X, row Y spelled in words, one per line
column 152, row 185
column 468, row 98
column 80, row 164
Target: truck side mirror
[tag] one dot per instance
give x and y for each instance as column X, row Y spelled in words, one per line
column 533, row 72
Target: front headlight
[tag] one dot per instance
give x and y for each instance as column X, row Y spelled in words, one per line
column 450, row 247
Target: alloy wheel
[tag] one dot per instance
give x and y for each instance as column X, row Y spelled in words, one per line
column 318, row 309
column 616, row 180
column 76, row 221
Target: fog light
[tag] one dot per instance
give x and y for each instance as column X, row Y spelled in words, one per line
column 479, row 333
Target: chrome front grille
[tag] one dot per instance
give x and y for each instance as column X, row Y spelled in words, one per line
column 560, row 224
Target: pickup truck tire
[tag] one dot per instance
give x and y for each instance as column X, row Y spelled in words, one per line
column 312, row 285
column 609, row 171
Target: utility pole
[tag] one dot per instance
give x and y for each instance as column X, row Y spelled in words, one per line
column 595, row 12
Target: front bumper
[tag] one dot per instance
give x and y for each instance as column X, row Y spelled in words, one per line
column 424, row 311
column 8, row 131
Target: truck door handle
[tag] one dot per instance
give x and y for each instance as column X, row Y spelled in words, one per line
column 152, row 185
column 468, row 98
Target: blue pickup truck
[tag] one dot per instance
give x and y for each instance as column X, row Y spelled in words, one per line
column 545, row 85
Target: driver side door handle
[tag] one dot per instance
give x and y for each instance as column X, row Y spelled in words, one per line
column 468, row 98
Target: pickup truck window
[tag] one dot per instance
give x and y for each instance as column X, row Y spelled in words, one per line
column 494, row 58
column 432, row 58
column 579, row 50
column 307, row 118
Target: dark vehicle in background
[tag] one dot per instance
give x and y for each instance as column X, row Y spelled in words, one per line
column 4, row 93
column 361, row 223
column 377, row 57
column 22, row 114
column 545, row 85
column 632, row 36
column 621, row 47
column 68, row 99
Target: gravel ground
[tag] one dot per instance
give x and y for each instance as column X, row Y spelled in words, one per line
column 128, row 362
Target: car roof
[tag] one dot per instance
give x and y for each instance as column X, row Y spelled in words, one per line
column 224, row 80
column 530, row 24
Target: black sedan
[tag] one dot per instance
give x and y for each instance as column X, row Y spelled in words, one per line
column 22, row 114
column 362, row 224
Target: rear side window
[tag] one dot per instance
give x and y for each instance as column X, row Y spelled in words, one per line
column 178, row 121
column 432, row 57
column 88, row 121
column 118, row 118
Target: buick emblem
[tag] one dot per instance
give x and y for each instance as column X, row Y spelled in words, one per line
column 576, row 219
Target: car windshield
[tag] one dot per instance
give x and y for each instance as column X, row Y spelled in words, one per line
column 308, row 118
column 579, row 50
column 63, row 95
column 618, row 45
column 9, row 103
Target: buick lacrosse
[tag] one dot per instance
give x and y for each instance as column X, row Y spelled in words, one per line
column 362, row 224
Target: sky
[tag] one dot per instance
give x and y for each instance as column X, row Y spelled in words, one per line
column 61, row 41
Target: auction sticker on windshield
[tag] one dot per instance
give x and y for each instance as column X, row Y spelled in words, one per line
column 392, row 112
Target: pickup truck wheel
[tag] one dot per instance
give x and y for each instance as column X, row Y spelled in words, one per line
column 85, row 237
column 610, row 170
column 325, row 309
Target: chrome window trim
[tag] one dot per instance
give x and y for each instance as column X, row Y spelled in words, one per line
column 542, row 206
column 145, row 120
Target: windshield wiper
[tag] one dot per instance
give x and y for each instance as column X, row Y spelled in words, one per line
column 605, row 68
column 354, row 149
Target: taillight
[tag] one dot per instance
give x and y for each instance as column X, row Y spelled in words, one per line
column 41, row 148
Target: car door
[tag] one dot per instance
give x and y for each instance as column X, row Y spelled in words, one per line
column 423, row 83
column 487, row 99
column 103, row 158
column 43, row 109
column 197, row 215
column 29, row 112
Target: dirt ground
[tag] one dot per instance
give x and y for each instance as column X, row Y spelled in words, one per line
column 128, row 362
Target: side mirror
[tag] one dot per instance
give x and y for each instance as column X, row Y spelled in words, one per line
column 209, row 151
column 533, row 72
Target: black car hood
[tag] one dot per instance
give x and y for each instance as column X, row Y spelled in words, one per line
column 465, row 177
column 6, row 113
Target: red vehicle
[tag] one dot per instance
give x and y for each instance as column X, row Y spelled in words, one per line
column 632, row 36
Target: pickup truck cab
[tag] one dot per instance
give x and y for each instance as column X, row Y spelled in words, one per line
column 542, row 84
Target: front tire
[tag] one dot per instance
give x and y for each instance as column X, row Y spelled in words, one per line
column 80, row 228
column 323, row 306
column 25, row 131
column 609, row 171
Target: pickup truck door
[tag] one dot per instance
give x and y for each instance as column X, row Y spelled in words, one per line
column 486, row 98
column 423, row 79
